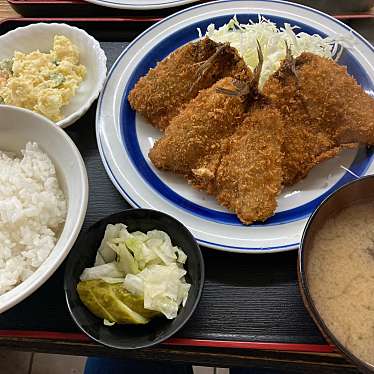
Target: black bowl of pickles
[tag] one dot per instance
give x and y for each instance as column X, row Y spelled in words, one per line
column 134, row 278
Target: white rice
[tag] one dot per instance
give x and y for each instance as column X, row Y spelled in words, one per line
column 32, row 210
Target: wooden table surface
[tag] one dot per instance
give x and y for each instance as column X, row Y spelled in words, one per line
column 6, row 11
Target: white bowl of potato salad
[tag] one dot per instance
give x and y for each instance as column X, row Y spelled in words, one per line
column 52, row 69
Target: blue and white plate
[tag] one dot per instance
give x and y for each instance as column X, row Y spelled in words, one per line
column 124, row 138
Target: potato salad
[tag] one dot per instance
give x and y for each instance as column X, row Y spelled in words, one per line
column 42, row 82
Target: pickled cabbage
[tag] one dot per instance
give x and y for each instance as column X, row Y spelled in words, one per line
column 113, row 303
column 144, row 265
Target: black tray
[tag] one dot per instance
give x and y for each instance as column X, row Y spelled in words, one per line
column 247, row 298
column 81, row 8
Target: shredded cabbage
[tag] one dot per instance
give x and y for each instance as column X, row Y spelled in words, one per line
column 147, row 265
column 244, row 38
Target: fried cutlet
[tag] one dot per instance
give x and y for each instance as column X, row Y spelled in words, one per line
column 194, row 137
column 227, row 143
column 229, row 153
column 249, row 176
column 324, row 111
column 165, row 89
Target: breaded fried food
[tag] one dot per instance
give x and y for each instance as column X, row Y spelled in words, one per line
column 165, row 89
column 324, row 111
column 249, row 177
column 227, row 141
column 193, row 140
column 222, row 149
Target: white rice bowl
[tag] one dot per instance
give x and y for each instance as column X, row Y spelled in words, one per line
column 39, row 237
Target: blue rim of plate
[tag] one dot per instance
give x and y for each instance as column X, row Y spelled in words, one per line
column 130, row 141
